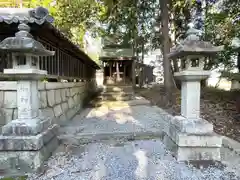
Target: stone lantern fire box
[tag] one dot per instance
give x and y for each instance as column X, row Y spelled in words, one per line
column 191, row 137
column 30, row 139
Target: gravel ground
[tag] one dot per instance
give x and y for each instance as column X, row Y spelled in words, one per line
column 116, row 119
column 136, row 160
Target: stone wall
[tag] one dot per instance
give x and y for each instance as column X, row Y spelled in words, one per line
column 58, row 100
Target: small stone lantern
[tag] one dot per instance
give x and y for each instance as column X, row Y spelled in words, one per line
column 193, row 136
column 30, row 138
column 25, row 53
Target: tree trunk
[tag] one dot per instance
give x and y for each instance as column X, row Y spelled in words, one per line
column 168, row 77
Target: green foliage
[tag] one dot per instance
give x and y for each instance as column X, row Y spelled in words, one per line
column 221, row 28
column 133, row 22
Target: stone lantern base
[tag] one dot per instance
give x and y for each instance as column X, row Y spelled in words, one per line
column 193, row 140
column 26, row 144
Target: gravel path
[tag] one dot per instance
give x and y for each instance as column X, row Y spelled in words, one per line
column 116, row 119
column 118, row 160
column 136, row 160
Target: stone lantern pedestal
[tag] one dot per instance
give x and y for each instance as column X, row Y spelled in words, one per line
column 190, row 137
column 193, row 136
column 29, row 140
column 190, row 94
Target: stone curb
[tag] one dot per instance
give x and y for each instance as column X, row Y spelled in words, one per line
column 231, row 144
column 85, row 138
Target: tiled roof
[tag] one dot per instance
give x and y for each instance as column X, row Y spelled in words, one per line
column 17, row 15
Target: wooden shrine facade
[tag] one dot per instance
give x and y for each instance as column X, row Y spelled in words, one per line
column 118, row 70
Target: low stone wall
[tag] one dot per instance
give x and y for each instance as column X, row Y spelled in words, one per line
column 58, row 100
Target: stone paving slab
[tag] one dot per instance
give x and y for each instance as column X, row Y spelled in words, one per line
column 136, row 160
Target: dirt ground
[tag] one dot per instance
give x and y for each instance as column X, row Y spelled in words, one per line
column 217, row 107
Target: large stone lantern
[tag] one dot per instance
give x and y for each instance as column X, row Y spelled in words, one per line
column 193, row 136
column 28, row 140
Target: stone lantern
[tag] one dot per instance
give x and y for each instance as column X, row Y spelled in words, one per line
column 28, row 140
column 194, row 137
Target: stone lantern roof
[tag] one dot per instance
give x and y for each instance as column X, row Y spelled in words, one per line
column 192, row 45
column 23, row 42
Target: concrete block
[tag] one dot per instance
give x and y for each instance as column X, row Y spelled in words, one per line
column 22, row 162
column 71, row 103
column 63, row 94
column 198, row 154
column 67, row 91
column 54, row 85
column 57, row 110
column 1, row 97
column 8, row 115
column 58, row 97
column 64, row 107
column 192, row 153
column 192, row 126
column 8, row 85
column 76, row 99
column 10, row 99
column 48, row 113
column 15, row 113
column 192, row 140
column 43, row 99
column 81, row 89
column 70, row 113
column 20, row 143
column 26, row 127
column 72, row 93
column 51, row 98
column 41, row 86
column 69, row 84
column 75, row 90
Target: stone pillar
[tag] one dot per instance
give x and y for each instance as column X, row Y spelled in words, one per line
column 133, row 73
column 27, row 99
column 110, row 69
column 124, row 72
column 190, row 99
column 117, row 71
column 26, row 142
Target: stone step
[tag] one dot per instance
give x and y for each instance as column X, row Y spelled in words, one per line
column 132, row 102
column 116, row 97
column 85, row 138
column 122, row 94
column 113, row 88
